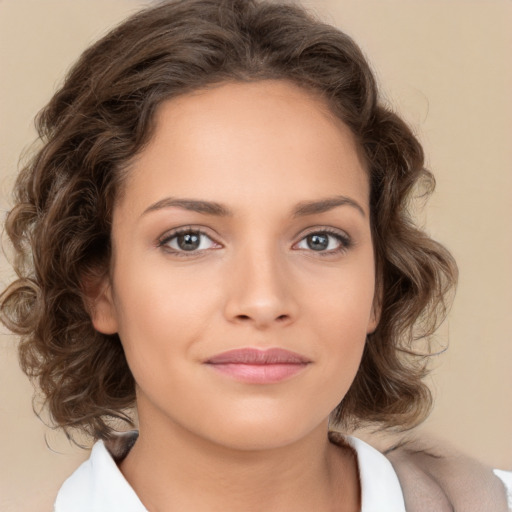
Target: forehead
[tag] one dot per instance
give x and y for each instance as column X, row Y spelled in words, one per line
column 250, row 137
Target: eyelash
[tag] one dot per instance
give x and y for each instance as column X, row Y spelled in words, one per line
column 343, row 239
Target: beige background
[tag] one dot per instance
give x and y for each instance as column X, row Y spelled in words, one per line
column 445, row 66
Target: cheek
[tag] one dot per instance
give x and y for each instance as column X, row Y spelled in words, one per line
column 342, row 316
column 344, row 338
column 343, row 301
column 161, row 317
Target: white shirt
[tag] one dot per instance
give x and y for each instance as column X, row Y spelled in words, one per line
column 99, row 486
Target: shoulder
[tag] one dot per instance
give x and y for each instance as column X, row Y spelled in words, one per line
column 436, row 477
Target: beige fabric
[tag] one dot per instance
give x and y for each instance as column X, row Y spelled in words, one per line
column 436, row 478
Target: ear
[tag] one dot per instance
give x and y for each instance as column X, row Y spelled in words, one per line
column 100, row 305
column 376, row 310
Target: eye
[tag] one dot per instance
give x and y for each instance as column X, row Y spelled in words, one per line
column 325, row 241
column 186, row 240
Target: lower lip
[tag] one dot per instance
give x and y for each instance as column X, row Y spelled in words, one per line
column 259, row 373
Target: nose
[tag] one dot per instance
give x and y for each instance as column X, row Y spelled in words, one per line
column 260, row 291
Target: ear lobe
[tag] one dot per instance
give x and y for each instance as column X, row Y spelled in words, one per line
column 374, row 318
column 101, row 307
column 375, row 312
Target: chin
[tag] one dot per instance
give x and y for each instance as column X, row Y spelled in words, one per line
column 259, row 433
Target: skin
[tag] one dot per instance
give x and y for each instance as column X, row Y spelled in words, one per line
column 208, row 441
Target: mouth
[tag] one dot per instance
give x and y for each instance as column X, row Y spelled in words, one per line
column 257, row 366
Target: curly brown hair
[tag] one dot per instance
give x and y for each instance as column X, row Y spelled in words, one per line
column 102, row 116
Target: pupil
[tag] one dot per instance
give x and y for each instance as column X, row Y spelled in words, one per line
column 318, row 242
column 188, row 242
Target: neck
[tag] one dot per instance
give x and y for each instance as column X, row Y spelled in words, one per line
column 174, row 470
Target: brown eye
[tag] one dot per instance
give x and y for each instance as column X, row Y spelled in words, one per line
column 187, row 241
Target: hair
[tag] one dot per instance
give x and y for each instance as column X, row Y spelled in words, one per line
column 103, row 115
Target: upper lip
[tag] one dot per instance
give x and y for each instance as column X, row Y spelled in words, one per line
column 258, row 357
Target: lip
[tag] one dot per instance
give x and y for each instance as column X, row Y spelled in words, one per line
column 258, row 366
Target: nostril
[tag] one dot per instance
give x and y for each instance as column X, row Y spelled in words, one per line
column 280, row 318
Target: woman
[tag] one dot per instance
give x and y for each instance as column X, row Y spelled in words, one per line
column 219, row 235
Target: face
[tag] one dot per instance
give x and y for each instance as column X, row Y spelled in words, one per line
column 242, row 283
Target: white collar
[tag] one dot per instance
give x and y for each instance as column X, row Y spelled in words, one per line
column 99, row 486
column 380, row 487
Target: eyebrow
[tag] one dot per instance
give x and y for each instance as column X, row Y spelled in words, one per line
column 205, row 207
column 302, row 209
column 324, row 205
